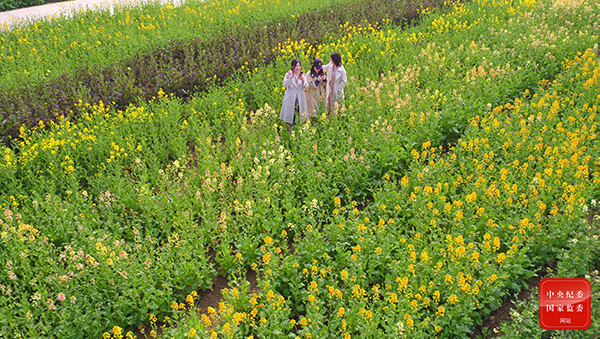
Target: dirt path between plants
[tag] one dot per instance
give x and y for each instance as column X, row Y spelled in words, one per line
column 206, row 299
column 490, row 327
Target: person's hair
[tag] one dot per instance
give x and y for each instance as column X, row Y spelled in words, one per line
column 336, row 58
column 294, row 63
column 313, row 72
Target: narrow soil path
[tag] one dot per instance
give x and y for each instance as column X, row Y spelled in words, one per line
column 206, row 299
column 490, row 327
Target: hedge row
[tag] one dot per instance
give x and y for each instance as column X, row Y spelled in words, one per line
column 8, row 5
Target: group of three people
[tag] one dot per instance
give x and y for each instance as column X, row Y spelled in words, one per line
column 322, row 87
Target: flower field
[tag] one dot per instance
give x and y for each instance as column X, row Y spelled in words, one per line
column 131, row 55
column 463, row 160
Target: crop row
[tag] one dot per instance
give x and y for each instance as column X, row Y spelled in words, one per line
column 113, row 216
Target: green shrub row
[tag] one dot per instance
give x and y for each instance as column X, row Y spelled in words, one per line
column 8, row 5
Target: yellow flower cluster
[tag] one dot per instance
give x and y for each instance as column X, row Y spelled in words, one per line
column 117, row 333
column 346, row 45
column 463, row 18
column 56, row 150
column 21, row 233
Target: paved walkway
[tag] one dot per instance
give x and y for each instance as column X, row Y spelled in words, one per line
column 9, row 18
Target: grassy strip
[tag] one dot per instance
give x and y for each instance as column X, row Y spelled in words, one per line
column 187, row 66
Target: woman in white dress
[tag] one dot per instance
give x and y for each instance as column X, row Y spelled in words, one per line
column 295, row 83
column 336, row 81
